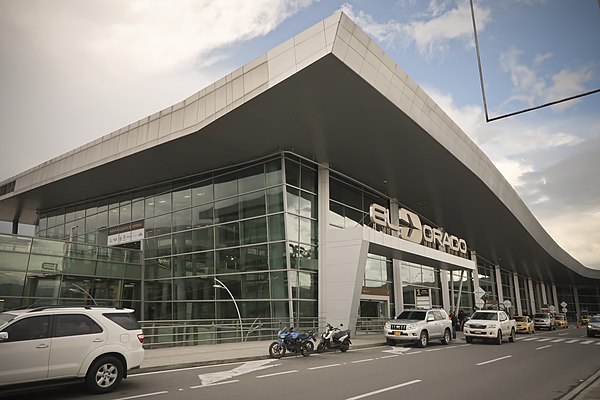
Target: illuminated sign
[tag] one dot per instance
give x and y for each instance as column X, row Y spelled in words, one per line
column 126, row 233
column 409, row 227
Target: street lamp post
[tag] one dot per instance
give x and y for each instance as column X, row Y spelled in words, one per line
column 221, row 285
column 82, row 290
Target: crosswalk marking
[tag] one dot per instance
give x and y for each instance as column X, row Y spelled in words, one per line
column 560, row 340
column 572, row 341
column 587, row 342
column 544, row 339
column 529, row 339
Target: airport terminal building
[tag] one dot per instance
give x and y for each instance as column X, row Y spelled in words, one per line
column 317, row 181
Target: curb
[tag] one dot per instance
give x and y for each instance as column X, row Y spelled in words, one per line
column 573, row 394
column 142, row 370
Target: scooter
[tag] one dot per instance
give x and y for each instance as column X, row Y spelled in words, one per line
column 334, row 338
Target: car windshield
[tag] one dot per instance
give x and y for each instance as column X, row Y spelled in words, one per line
column 490, row 316
column 520, row 319
column 595, row 319
column 412, row 315
column 540, row 316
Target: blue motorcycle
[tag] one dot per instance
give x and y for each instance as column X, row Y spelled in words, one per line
column 289, row 340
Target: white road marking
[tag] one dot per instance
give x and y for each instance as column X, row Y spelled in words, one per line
column 544, row 339
column 434, row 349
column 494, row 360
column 186, row 369
column 142, row 395
column 215, row 384
column 597, row 343
column 587, row 342
column 396, row 355
column 558, row 340
column 251, row 366
column 383, row 390
column 397, row 350
column 572, row 341
column 544, row 347
column 278, row 373
column 365, row 360
column 325, row 366
column 529, row 339
column 562, row 334
column 414, row 352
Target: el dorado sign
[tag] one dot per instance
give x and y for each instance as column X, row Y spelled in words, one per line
column 409, row 227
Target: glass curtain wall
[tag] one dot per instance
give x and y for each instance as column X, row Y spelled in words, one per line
column 254, row 227
column 565, row 294
column 466, row 298
column 38, row 271
column 487, row 281
column 525, row 296
column 417, row 277
column 508, row 290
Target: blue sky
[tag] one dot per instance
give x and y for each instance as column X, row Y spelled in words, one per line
column 74, row 70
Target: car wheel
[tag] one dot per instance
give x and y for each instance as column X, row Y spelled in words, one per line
column 512, row 336
column 104, row 374
column 499, row 338
column 447, row 338
column 423, row 339
column 469, row 339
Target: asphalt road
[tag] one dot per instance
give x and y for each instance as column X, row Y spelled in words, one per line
column 546, row 365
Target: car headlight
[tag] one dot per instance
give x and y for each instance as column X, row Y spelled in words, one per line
column 410, row 327
column 388, row 325
column 590, row 327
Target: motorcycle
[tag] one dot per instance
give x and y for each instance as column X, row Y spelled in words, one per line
column 293, row 341
column 334, row 338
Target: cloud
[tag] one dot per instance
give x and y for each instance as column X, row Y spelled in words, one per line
column 555, row 172
column 533, row 89
column 72, row 71
column 431, row 35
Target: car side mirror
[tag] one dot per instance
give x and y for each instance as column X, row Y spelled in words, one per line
column 3, row 336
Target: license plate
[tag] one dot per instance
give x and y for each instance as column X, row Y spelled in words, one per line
column 397, row 334
column 477, row 332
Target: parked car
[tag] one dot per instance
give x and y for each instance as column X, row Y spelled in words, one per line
column 593, row 326
column 95, row 344
column 560, row 321
column 419, row 326
column 490, row 325
column 524, row 324
column 544, row 321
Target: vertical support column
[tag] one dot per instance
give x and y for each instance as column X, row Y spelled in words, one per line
column 576, row 298
column 475, row 276
column 531, row 296
column 517, row 294
column 323, row 215
column 555, row 298
column 499, row 284
column 544, row 295
column 397, row 268
column 446, row 304
column 15, row 227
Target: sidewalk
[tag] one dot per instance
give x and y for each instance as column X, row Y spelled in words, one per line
column 193, row 356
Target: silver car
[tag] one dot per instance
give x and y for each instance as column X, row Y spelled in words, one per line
column 544, row 321
column 418, row 326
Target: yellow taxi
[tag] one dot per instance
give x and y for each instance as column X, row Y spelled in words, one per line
column 560, row 321
column 584, row 319
column 524, row 324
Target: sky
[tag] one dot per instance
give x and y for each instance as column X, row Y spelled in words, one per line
column 72, row 71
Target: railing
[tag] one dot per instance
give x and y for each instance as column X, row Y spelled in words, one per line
column 370, row 325
column 172, row 333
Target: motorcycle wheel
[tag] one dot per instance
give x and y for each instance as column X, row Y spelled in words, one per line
column 320, row 347
column 276, row 350
column 307, row 348
column 344, row 346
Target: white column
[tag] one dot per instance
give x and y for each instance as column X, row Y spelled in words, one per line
column 499, row 284
column 543, row 290
column 531, row 296
column 555, row 298
column 397, row 264
column 323, row 214
column 517, row 294
column 446, row 304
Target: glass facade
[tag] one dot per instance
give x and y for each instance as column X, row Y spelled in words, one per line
column 253, row 227
column 38, row 271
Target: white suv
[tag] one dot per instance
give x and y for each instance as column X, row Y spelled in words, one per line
column 418, row 326
column 97, row 344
